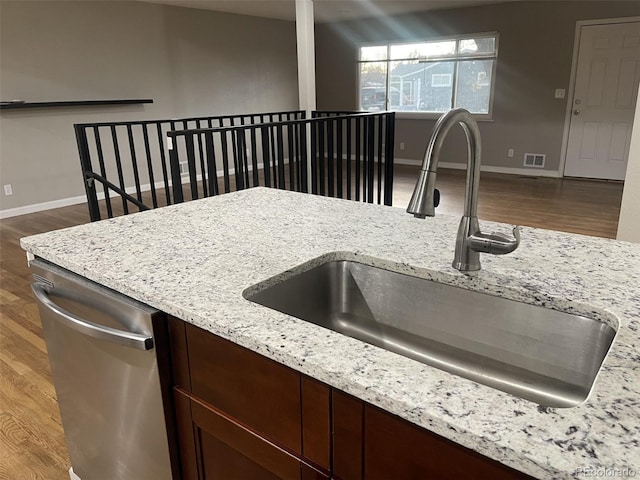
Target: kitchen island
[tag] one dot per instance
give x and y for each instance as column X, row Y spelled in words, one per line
column 195, row 260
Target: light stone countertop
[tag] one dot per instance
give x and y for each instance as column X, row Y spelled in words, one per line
column 194, row 260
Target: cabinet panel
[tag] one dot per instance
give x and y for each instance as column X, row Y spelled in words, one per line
column 215, row 446
column 316, row 424
column 220, row 461
column 186, row 439
column 178, row 348
column 347, row 436
column 308, row 473
column 395, row 448
column 255, row 390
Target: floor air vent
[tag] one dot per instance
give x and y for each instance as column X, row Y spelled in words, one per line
column 535, row 160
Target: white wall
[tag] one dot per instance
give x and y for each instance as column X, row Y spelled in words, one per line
column 629, row 222
column 190, row 62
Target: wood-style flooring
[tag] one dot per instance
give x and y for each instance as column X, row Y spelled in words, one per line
column 31, row 438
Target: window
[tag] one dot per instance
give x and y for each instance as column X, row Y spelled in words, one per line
column 431, row 76
column 441, row 80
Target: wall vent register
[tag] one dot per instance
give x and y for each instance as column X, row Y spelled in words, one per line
column 534, row 160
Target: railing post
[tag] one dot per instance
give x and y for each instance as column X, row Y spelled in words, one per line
column 134, row 163
column 304, row 160
column 147, row 151
column 389, row 158
column 85, row 163
column 163, row 161
column 371, row 128
column 266, row 155
column 339, row 159
column 176, row 178
column 191, row 162
column 211, row 170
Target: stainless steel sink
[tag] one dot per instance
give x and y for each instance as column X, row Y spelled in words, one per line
column 549, row 357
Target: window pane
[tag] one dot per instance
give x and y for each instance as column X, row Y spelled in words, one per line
column 403, row 85
column 423, row 50
column 478, row 46
column 373, row 53
column 474, row 85
column 421, row 86
column 373, row 86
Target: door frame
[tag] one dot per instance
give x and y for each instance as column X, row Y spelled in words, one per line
column 572, row 79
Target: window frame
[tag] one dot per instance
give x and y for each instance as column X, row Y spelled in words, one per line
column 456, row 59
column 441, row 76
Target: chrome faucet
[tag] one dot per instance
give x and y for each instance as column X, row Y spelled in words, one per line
column 470, row 240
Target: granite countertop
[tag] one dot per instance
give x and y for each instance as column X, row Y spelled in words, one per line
column 194, row 260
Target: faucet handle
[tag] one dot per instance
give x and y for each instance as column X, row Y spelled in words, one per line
column 495, row 243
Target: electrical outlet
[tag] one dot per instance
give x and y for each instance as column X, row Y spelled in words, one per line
column 559, row 93
column 8, row 190
column 510, row 152
column 401, row 145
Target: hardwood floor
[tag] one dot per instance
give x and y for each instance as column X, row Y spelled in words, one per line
column 31, row 438
column 577, row 206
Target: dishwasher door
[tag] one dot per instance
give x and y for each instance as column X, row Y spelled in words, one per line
column 104, row 368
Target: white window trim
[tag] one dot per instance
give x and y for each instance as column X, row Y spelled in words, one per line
column 447, row 76
column 483, row 117
column 482, row 81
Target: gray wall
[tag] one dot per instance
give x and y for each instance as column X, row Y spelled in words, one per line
column 534, row 59
column 190, row 62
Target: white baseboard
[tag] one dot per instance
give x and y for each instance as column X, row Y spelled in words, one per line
column 39, row 207
column 65, row 202
column 72, row 475
column 529, row 172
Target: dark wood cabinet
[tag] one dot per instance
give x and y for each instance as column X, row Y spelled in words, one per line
column 348, row 436
column 222, row 448
column 240, row 415
column 421, row 454
column 246, row 386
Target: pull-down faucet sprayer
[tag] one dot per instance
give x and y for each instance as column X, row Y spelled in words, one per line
column 470, row 240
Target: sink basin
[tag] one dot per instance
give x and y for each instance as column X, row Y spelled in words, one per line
column 542, row 355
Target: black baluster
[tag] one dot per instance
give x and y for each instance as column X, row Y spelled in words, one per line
column 163, row 163
column 211, row 164
column 134, row 163
column 116, row 149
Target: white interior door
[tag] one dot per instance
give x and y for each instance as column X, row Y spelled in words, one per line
column 607, row 77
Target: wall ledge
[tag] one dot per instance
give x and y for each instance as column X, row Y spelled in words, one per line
column 19, row 104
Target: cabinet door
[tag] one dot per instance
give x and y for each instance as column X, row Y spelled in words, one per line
column 214, row 446
column 394, row 448
column 258, row 392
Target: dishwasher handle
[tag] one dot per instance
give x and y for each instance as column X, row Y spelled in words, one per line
column 100, row 332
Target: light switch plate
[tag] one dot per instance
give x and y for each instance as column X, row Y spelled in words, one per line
column 559, row 93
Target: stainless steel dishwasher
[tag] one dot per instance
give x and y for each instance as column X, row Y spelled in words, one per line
column 105, row 372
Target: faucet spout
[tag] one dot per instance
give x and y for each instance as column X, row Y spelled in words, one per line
column 470, row 240
column 421, row 204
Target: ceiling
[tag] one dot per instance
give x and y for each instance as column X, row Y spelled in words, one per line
column 324, row 10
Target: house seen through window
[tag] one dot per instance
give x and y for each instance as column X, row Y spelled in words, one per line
column 431, row 76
